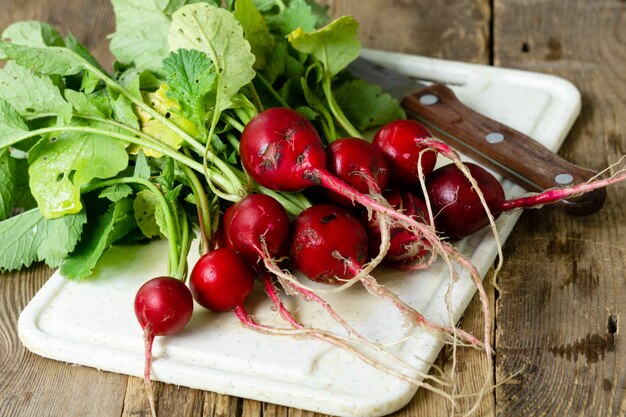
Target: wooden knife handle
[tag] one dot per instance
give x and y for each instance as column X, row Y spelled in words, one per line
column 503, row 149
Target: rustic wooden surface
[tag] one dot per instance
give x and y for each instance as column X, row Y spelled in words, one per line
column 563, row 288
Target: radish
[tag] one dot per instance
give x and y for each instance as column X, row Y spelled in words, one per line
column 322, row 257
column 402, row 141
column 163, row 306
column 459, row 211
column 406, row 250
column 257, row 227
column 358, row 164
column 221, row 280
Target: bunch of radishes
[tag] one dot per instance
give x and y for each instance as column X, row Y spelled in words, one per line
column 381, row 202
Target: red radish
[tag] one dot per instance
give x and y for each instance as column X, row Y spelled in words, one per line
column 221, row 280
column 163, row 306
column 281, row 150
column 402, row 141
column 256, row 227
column 329, row 244
column 319, row 234
column 459, row 211
column 358, row 164
column 405, row 248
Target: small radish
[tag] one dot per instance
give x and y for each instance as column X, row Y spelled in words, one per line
column 163, row 306
column 405, row 248
column 358, row 164
column 221, row 280
column 257, row 227
column 321, row 256
column 324, row 237
column 402, row 141
column 459, row 211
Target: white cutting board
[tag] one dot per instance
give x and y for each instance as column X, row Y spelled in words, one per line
column 92, row 323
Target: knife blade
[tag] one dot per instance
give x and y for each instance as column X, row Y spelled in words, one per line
column 507, row 151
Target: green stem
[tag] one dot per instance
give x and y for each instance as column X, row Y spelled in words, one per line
column 173, row 257
column 271, row 90
column 233, row 122
column 255, row 97
column 233, row 141
column 336, row 110
column 181, row 271
column 204, row 211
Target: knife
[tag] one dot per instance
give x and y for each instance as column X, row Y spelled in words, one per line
column 507, row 151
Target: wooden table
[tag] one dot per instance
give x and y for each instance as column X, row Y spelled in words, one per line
column 562, row 295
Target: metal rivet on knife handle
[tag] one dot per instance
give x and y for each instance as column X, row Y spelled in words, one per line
column 494, row 137
column 428, row 99
column 564, row 179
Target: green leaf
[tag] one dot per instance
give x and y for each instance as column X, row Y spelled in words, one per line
column 190, row 76
column 149, row 215
column 218, row 34
column 123, row 111
column 142, row 169
column 32, row 33
column 335, row 45
column 83, row 104
column 30, row 94
column 11, row 124
column 366, row 105
column 99, row 234
column 116, row 192
column 297, row 15
column 8, row 172
column 256, row 32
column 140, row 37
column 59, row 166
column 29, row 237
column 47, row 60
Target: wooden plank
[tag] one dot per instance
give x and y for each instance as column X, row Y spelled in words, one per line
column 30, row 384
column 90, row 21
column 457, row 30
column 563, row 291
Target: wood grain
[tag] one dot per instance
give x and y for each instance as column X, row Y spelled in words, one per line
column 562, row 302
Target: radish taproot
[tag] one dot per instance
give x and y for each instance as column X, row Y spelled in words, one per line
column 459, row 211
column 163, row 307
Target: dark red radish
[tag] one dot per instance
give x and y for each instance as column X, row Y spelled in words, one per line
column 404, row 247
column 281, row 149
column 402, row 141
column 459, row 211
column 456, row 206
column 163, row 307
column 360, row 165
column 221, row 280
column 257, row 227
column 323, row 236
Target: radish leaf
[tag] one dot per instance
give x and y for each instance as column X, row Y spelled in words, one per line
column 218, row 34
column 335, row 45
column 99, row 234
column 59, row 166
column 29, row 237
